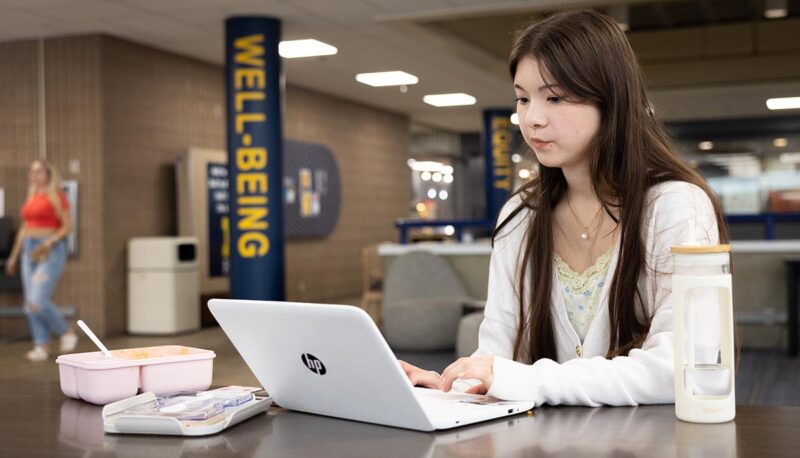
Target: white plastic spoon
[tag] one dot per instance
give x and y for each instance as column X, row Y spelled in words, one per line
column 94, row 338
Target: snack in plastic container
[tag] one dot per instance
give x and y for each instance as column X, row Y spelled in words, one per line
column 164, row 369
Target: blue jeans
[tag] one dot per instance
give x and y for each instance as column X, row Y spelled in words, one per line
column 39, row 279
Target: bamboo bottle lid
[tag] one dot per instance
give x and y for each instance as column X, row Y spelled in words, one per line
column 701, row 249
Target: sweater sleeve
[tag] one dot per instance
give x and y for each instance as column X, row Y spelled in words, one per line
column 645, row 376
column 501, row 316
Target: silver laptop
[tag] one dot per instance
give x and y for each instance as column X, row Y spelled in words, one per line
column 332, row 360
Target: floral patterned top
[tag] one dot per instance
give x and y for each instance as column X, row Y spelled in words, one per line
column 582, row 291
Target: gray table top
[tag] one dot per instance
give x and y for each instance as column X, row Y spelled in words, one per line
column 38, row 420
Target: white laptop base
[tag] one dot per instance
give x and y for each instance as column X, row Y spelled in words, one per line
column 332, row 360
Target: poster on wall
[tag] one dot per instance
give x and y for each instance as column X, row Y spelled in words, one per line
column 311, row 199
column 70, row 189
column 311, row 190
column 218, row 220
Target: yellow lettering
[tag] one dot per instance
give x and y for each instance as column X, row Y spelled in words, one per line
column 242, row 97
column 251, row 78
column 253, row 243
column 251, row 158
column 501, row 157
column 252, row 200
column 500, row 122
column 243, row 118
column 503, row 184
column 252, row 217
column 251, row 183
column 501, row 138
column 226, row 237
column 249, row 50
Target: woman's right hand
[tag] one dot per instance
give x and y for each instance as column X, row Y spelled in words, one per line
column 11, row 267
column 420, row 377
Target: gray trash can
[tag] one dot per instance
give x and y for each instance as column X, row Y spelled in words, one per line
column 163, row 285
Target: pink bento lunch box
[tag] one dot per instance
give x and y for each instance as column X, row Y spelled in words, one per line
column 164, row 369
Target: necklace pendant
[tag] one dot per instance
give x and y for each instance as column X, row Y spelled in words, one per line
column 584, row 236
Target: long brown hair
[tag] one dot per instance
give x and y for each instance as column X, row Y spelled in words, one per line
column 587, row 54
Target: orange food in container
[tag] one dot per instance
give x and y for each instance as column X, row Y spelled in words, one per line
column 164, row 369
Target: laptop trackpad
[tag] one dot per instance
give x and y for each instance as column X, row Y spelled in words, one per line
column 428, row 395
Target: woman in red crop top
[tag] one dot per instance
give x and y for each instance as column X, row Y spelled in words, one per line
column 46, row 223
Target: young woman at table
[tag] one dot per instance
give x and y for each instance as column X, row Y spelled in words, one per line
column 578, row 309
column 42, row 240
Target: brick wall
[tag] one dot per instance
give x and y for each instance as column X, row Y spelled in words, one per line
column 74, row 128
column 126, row 111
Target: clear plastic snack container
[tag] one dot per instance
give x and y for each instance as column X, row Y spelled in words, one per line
column 164, row 369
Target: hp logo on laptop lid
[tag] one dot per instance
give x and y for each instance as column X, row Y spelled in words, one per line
column 313, row 364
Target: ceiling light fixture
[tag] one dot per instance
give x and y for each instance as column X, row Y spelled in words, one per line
column 515, row 119
column 706, row 145
column 449, row 100
column 431, row 166
column 783, row 103
column 780, row 142
column 305, row 48
column 381, row 79
column 775, row 9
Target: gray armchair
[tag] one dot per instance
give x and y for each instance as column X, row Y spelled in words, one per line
column 423, row 301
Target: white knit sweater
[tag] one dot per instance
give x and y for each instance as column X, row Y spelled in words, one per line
column 582, row 375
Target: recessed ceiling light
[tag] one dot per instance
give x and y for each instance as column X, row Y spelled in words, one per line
column 305, row 48
column 780, row 142
column 783, row 103
column 776, row 13
column 449, row 100
column 774, row 9
column 431, row 166
column 515, row 119
column 380, row 79
column 706, row 145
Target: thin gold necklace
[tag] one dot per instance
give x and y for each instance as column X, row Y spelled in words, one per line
column 586, row 232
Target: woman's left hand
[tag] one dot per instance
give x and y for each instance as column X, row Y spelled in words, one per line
column 474, row 367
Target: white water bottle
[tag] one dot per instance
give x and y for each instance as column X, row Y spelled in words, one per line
column 704, row 353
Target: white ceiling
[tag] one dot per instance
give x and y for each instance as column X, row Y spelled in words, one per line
column 371, row 35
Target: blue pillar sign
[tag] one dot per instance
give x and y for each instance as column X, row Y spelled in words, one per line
column 498, row 140
column 255, row 141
